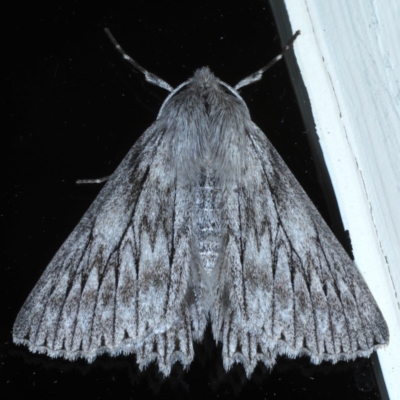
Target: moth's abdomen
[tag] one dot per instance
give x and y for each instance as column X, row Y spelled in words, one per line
column 207, row 220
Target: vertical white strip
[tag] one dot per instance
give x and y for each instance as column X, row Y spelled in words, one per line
column 349, row 57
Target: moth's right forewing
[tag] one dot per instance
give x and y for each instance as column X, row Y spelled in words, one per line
column 285, row 284
column 318, row 256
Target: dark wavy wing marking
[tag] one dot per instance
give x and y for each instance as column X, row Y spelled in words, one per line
column 286, row 285
column 104, row 290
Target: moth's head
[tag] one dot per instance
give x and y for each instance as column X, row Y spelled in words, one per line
column 204, row 78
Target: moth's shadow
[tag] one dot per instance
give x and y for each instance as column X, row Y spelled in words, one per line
column 206, row 369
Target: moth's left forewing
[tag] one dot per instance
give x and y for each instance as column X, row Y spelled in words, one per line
column 60, row 312
column 119, row 282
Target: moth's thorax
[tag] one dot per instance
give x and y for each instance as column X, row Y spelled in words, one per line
column 205, row 123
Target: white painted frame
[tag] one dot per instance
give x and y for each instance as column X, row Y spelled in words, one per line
column 349, row 58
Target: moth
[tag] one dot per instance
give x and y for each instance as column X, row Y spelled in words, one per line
column 201, row 223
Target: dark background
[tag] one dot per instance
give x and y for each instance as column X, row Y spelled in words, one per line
column 72, row 109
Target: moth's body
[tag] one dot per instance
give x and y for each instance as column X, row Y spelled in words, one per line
column 207, row 94
column 205, row 108
column 208, row 221
column 202, row 222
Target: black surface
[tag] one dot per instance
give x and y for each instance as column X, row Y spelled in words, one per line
column 71, row 110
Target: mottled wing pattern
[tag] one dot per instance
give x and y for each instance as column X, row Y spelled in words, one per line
column 118, row 283
column 286, row 286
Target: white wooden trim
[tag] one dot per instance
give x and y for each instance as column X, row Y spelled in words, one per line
column 349, row 57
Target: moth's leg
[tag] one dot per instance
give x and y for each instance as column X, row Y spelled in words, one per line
column 90, row 181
